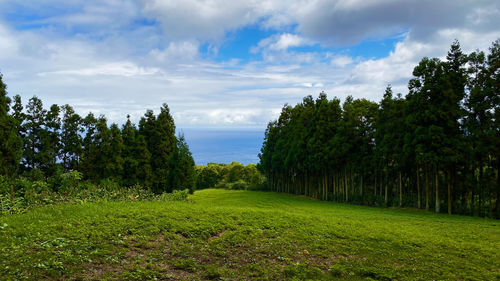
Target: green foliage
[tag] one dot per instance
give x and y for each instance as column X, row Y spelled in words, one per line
column 176, row 195
column 70, row 179
column 71, row 141
column 230, row 176
column 233, row 235
column 182, row 174
column 159, row 133
column 22, row 194
column 10, row 142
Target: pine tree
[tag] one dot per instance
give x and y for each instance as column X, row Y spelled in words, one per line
column 35, row 119
column 116, row 150
column 71, row 140
column 493, row 90
column 181, row 173
column 51, row 141
column 90, row 152
column 10, row 142
column 102, row 166
column 130, row 161
column 142, row 155
column 159, row 133
column 20, row 117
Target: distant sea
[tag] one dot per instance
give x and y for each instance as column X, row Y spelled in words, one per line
column 224, row 145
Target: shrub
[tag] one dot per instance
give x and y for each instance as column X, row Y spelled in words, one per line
column 176, row 195
column 70, row 179
column 238, row 185
column 20, row 195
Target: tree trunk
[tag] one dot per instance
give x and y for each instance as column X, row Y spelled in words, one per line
column 346, row 187
column 436, row 174
column 325, row 187
column 386, row 197
column 427, row 206
column 334, row 183
column 361, row 187
column 497, row 205
column 419, row 203
column 400, row 191
column 449, row 192
column 480, row 189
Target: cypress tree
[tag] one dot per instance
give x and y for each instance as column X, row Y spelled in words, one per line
column 10, row 142
column 71, row 140
column 35, row 119
column 130, row 162
column 181, row 173
column 90, row 150
column 51, row 141
column 142, row 155
column 115, row 167
column 159, row 133
column 102, row 166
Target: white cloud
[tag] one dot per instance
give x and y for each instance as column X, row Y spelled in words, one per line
column 181, row 50
column 288, row 40
column 341, row 61
column 126, row 69
column 280, row 42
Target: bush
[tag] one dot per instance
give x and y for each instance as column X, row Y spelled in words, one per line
column 20, row 195
column 176, row 195
column 69, row 180
column 238, row 185
column 12, row 206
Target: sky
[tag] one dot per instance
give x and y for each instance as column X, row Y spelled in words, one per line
column 226, row 64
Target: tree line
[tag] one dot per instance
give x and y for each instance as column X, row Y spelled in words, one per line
column 435, row 148
column 40, row 143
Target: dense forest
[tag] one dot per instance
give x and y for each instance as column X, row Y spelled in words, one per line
column 42, row 144
column 436, row 148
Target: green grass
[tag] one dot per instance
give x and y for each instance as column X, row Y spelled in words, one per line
column 242, row 235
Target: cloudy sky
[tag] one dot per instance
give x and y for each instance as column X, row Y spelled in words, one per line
column 230, row 64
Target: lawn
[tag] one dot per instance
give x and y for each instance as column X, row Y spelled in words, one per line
column 244, row 235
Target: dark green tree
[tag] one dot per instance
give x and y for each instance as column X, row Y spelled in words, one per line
column 51, row 141
column 115, row 160
column 10, row 142
column 130, row 161
column 35, row 129
column 143, row 157
column 71, row 140
column 90, row 149
column 159, row 133
column 181, row 173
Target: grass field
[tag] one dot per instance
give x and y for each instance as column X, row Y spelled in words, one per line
column 242, row 235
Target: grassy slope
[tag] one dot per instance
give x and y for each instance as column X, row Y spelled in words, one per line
column 245, row 235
